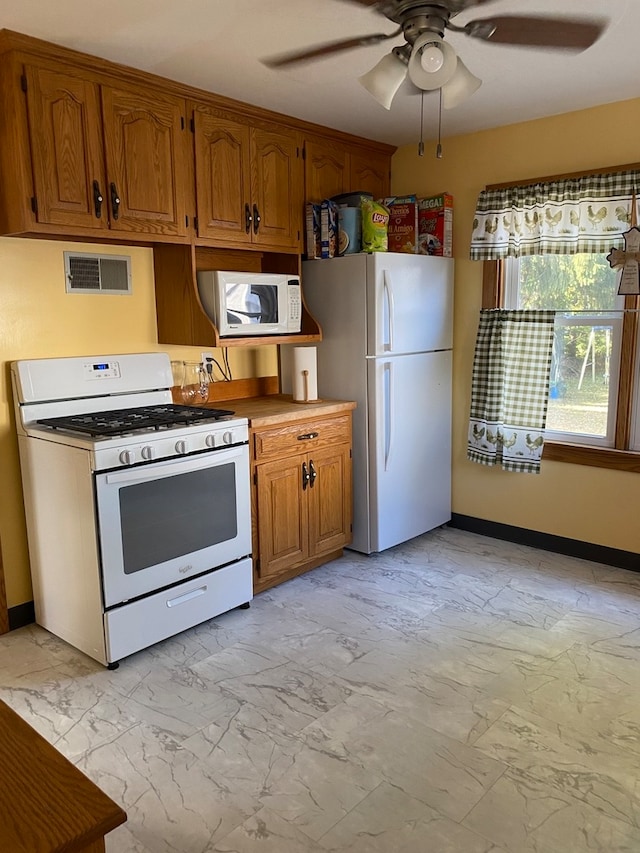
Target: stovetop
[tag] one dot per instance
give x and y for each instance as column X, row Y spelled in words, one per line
column 141, row 419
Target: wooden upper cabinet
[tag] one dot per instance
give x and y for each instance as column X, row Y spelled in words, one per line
column 326, row 170
column 370, row 172
column 66, row 144
column 277, row 188
column 223, row 177
column 248, row 182
column 105, row 158
column 146, row 151
column 332, row 168
column 91, row 149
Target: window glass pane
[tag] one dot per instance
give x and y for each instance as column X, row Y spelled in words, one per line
column 585, row 364
column 580, row 377
column 567, row 283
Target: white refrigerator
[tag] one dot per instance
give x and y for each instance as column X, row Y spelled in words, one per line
column 387, row 326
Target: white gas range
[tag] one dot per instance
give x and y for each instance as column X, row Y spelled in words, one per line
column 138, row 510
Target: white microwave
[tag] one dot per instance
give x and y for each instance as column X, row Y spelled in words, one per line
column 249, row 303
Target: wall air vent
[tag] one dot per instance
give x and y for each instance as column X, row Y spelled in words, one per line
column 97, row 273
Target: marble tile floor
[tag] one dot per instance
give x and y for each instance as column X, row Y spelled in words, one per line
column 455, row 694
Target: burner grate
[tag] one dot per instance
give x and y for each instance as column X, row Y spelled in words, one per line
column 145, row 418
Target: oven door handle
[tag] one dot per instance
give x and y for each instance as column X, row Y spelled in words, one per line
column 187, row 596
column 168, row 469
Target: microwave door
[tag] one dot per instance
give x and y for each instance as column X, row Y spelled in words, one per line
column 252, row 304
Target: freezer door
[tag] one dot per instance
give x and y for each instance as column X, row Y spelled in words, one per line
column 410, row 446
column 409, row 303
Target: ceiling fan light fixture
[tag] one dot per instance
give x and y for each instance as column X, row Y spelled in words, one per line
column 431, row 58
column 432, row 62
column 460, row 87
column 385, row 78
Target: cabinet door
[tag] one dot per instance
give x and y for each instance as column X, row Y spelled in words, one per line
column 223, row 180
column 145, row 147
column 325, row 170
column 282, row 515
column 66, row 148
column 329, row 496
column 276, row 188
column 370, row 172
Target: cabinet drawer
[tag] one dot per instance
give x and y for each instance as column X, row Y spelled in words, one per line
column 301, row 437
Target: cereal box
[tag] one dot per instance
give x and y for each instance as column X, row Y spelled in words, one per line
column 312, row 231
column 403, row 223
column 328, row 229
column 435, row 225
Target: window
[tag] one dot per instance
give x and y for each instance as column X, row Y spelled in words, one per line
column 585, row 366
column 545, row 245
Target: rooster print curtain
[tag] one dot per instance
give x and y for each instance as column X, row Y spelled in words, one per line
column 564, row 217
column 510, row 389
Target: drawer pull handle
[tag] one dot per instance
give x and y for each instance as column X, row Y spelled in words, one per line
column 188, row 596
column 307, row 436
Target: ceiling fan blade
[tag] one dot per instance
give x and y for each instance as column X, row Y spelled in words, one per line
column 530, row 31
column 327, row 48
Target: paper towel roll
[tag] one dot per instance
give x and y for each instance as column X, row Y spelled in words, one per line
column 304, row 380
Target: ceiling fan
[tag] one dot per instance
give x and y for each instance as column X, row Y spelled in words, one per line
column 429, row 61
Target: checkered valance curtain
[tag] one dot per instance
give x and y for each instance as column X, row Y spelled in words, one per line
column 564, row 217
column 510, row 389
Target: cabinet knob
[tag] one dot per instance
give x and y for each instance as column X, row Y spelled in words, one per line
column 115, row 201
column 97, row 200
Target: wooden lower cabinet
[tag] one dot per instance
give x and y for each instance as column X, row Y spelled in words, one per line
column 303, row 496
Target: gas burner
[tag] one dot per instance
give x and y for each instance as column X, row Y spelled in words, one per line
column 124, row 421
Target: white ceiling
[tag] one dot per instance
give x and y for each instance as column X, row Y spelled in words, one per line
column 217, row 45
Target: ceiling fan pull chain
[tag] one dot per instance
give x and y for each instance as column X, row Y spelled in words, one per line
column 439, row 145
column 421, row 143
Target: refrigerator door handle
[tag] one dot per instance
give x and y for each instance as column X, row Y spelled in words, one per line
column 388, row 414
column 388, row 315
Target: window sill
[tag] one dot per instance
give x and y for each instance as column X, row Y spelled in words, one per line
column 597, row 457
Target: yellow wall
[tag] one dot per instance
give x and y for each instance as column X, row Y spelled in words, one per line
column 589, row 504
column 39, row 319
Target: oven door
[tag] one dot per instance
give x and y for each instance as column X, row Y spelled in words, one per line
column 161, row 523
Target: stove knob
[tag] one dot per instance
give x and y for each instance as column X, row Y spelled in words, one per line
column 127, row 457
column 148, row 452
column 181, row 446
column 228, row 437
column 210, row 440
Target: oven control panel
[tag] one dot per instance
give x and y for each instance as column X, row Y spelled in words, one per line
column 101, row 370
column 130, row 450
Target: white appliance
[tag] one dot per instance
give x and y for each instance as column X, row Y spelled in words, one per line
column 387, row 326
column 138, row 511
column 250, row 303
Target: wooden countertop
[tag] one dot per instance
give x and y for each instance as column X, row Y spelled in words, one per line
column 46, row 803
column 277, row 408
